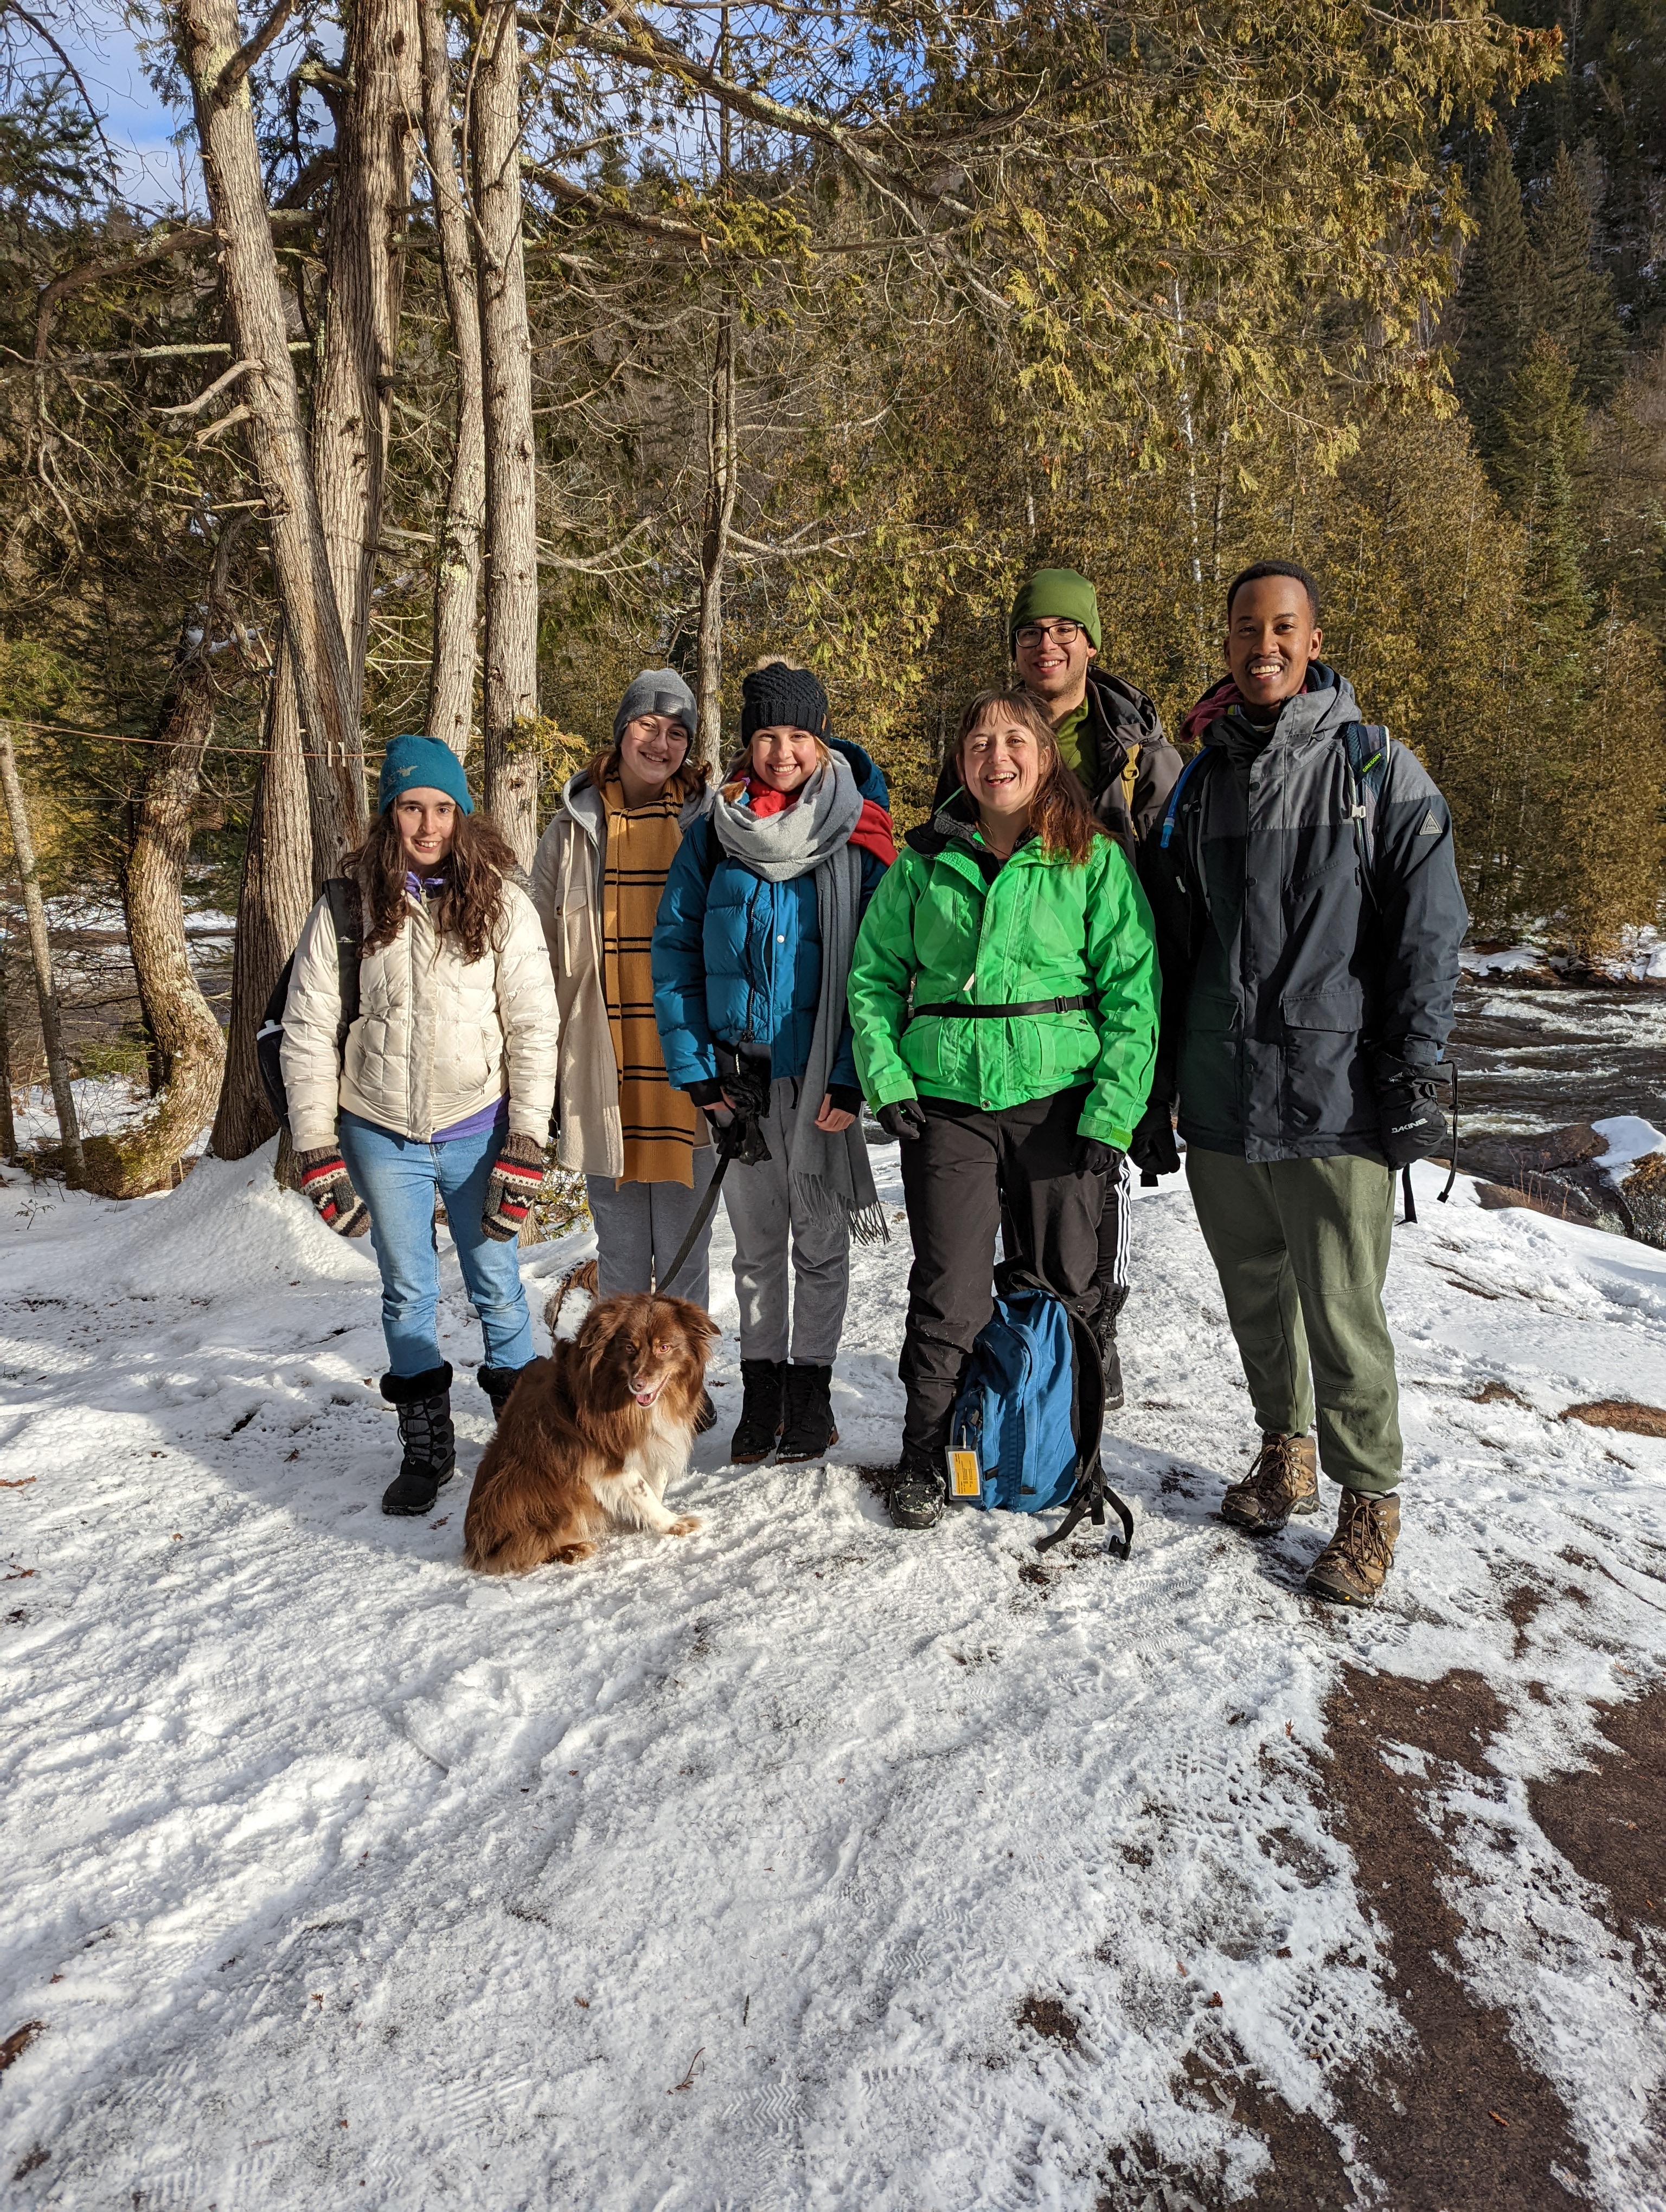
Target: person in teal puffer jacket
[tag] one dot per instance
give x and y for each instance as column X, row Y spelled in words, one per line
column 1003, row 1001
column 750, row 951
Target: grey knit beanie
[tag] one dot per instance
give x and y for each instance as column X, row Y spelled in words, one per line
column 658, row 691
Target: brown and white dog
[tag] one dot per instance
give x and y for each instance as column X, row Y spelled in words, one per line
column 592, row 1436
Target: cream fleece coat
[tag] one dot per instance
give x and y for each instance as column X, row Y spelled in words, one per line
column 437, row 1037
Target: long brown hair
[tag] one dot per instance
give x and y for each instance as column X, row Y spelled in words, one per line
column 1060, row 815
column 470, row 900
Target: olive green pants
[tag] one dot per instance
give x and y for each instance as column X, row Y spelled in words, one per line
column 1301, row 1247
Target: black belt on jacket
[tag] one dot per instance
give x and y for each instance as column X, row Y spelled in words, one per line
column 962, row 1010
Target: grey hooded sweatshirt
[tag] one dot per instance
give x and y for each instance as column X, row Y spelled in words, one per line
column 1286, row 974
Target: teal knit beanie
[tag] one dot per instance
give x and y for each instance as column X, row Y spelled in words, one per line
column 422, row 764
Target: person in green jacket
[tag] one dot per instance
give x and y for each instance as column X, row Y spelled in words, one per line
column 1003, row 1008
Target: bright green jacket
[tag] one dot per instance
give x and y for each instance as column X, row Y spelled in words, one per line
column 946, row 921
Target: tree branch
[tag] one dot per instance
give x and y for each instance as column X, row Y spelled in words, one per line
column 227, row 376
column 47, row 39
column 247, row 56
column 193, row 238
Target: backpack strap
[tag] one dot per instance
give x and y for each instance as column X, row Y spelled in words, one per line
column 1130, row 775
column 347, row 912
column 1170, row 812
column 1366, row 747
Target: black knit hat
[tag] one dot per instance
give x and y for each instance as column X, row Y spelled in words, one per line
column 777, row 696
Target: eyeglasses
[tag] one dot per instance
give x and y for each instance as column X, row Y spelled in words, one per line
column 1060, row 633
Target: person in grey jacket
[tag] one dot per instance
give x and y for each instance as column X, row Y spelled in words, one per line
column 1308, row 919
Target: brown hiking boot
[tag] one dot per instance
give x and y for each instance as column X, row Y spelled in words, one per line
column 1354, row 1565
column 1284, row 1480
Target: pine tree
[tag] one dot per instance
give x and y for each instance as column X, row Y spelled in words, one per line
column 1494, row 310
column 1573, row 301
column 1540, row 434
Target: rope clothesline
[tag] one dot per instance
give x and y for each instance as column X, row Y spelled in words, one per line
column 108, row 738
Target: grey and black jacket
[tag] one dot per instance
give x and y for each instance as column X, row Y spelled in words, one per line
column 1125, row 726
column 1300, row 942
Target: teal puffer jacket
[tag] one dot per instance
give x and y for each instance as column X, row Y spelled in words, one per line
column 951, row 922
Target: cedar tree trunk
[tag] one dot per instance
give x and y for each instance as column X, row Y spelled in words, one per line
column 511, row 687
column 456, row 571
column 273, row 902
column 209, row 41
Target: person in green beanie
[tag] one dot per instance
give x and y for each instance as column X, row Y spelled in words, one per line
column 442, row 1086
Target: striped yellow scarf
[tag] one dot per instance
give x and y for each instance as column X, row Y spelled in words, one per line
column 660, row 1125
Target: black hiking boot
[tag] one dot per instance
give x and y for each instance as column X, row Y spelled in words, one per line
column 497, row 1383
column 913, row 1497
column 808, row 1430
column 705, row 1414
column 761, row 1410
column 422, row 1403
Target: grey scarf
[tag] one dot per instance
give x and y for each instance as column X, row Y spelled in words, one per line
column 832, row 1177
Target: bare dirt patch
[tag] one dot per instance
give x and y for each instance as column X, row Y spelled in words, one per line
column 1606, row 1822
column 1455, row 2119
column 1627, row 1413
column 1460, row 2120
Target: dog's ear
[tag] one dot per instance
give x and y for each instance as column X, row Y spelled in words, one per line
column 694, row 1321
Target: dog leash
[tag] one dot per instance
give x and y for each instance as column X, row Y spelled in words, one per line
column 732, row 1141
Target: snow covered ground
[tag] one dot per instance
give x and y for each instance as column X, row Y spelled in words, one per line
column 761, row 1869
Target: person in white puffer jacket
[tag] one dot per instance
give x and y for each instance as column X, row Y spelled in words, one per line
column 442, row 1086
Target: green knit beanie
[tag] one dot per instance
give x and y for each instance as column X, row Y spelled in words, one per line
column 1061, row 594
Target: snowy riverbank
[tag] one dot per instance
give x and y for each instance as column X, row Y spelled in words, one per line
column 805, row 1863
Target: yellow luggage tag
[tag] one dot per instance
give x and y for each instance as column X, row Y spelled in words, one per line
column 965, row 1480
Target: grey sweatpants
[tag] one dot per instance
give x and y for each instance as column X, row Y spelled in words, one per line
column 639, row 1227
column 765, row 1227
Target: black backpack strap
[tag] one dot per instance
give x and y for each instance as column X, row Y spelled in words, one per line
column 347, row 912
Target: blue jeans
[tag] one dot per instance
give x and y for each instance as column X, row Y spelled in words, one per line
column 396, row 1178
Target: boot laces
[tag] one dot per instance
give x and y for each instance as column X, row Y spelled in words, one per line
column 1360, row 1536
column 1280, row 1466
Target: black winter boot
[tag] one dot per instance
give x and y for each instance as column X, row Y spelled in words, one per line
column 497, row 1383
column 913, row 1497
column 705, row 1414
column 1111, row 1303
column 808, row 1430
column 765, row 1381
column 423, row 1405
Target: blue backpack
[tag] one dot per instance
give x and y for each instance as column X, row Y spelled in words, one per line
column 1025, row 1434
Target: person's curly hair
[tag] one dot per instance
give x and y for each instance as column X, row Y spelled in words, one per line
column 468, row 905
column 1063, row 822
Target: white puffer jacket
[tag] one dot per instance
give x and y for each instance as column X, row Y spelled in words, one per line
column 437, row 1037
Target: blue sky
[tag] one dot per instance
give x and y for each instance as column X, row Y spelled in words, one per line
column 140, row 129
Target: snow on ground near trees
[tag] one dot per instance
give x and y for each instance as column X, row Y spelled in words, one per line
column 713, row 1874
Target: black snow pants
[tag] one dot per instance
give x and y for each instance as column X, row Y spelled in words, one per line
column 971, row 1173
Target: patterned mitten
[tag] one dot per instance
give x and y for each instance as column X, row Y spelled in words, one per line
column 516, row 1181
column 325, row 1180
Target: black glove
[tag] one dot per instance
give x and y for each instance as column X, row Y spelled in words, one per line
column 708, row 1094
column 1410, row 1122
column 845, row 1097
column 1153, row 1148
column 1094, row 1159
column 903, row 1119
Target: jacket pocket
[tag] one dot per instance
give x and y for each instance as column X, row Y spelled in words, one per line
column 935, row 1048
column 1325, row 1092
column 1341, row 1007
